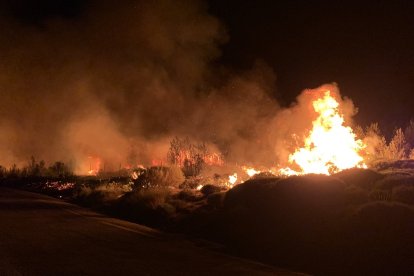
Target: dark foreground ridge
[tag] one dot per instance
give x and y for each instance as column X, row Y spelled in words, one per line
column 40, row 235
column 356, row 222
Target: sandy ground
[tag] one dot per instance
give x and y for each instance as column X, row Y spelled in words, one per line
column 40, row 235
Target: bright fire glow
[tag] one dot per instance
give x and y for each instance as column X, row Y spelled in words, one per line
column 134, row 175
column 330, row 146
column 250, row 171
column 94, row 165
column 232, row 179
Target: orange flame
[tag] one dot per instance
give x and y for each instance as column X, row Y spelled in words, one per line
column 232, row 180
column 250, row 171
column 94, row 165
column 330, row 146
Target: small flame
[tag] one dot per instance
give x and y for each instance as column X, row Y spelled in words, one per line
column 134, row 175
column 250, row 171
column 158, row 162
column 94, row 165
column 92, row 172
column 232, row 179
column 287, row 172
column 330, row 146
column 213, row 159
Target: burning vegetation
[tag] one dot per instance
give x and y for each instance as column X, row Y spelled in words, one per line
column 323, row 142
column 159, row 100
column 330, row 146
column 154, row 133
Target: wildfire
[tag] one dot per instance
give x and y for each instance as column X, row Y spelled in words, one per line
column 330, row 146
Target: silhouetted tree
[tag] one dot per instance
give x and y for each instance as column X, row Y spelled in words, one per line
column 59, row 169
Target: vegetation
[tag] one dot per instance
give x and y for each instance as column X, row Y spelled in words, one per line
column 356, row 216
column 399, row 147
column 187, row 155
column 160, row 177
column 36, row 170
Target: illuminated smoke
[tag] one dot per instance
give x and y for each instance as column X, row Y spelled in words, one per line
column 122, row 79
column 119, row 82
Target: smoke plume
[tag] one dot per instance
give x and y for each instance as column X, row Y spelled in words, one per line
column 120, row 79
column 124, row 76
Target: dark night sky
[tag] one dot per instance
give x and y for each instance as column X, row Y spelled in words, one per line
column 367, row 48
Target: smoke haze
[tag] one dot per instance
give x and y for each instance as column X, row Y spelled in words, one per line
column 117, row 77
column 123, row 79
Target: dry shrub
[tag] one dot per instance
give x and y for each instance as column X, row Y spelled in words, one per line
column 147, row 206
column 356, row 194
column 193, row 182
column 151, row 198
column 160, row 177
column 363, row 178
column 189, row 195
column 101, row 193
column 394, row 180
column 211, row 189
column 216, row 200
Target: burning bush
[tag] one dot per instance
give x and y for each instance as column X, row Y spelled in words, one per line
column 378, row 151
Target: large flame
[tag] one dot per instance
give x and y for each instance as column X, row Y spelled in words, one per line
column 330, row 146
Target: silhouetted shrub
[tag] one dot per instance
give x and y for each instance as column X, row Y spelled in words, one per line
column 216, row 200
column 392, row 180
column 96, row 195
column 356, row 195
column 189, row 195
column 150, row 198
column 363, row 178
column 210, row 189
column 264, row 175
column 150, row 206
